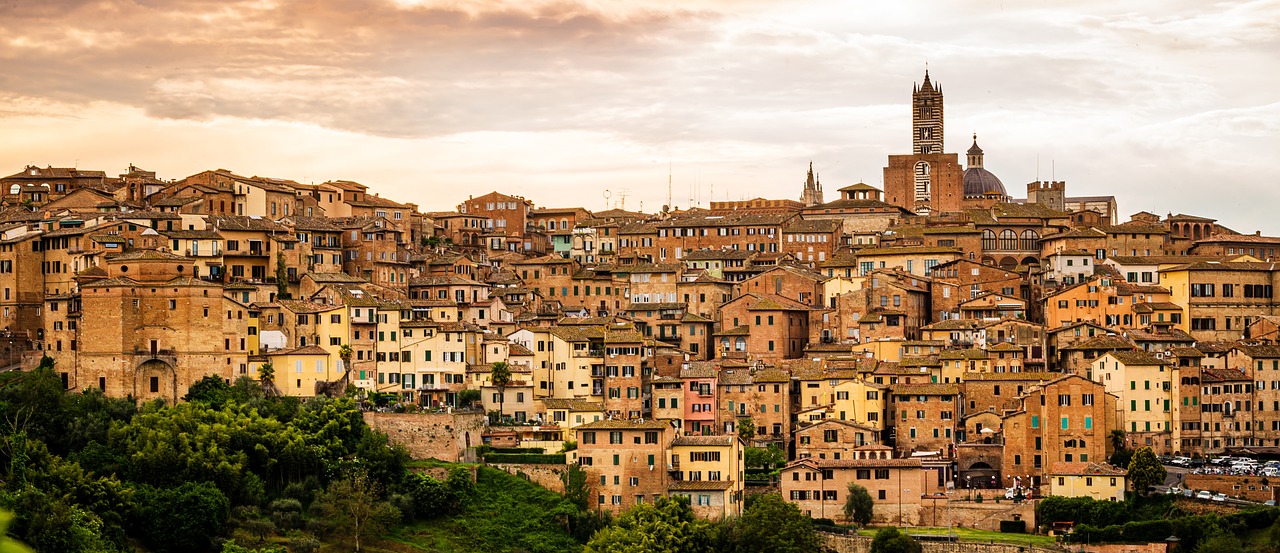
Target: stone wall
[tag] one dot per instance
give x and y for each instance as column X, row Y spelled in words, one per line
column 1124, row 548
column 443, row 436
column 1244, row 487
column 862, row 544
column 550, row 477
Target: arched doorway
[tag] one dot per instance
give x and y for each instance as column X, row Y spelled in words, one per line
column 155, row 379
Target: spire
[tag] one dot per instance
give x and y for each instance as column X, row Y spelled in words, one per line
column 975, row 153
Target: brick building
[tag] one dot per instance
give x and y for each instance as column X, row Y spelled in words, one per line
column 626, row 461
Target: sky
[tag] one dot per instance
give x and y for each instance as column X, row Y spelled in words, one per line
column 1170, row 105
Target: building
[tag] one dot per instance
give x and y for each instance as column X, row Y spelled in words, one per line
column 1066, row 419
column 1094, row 480
column 626, row 461
column 820, row 487
column 710, row 471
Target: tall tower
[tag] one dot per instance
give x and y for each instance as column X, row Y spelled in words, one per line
column 926, row 117
column 812, row 194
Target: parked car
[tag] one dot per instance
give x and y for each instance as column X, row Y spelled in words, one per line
column 1220, row 497
column 1181, row 462
column 1173, row 490
column 1196, row 463
column 1204, row 494
column 1188, row 492
column 1269, row 503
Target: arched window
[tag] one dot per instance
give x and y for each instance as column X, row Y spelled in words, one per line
column 1030, row 240
column 988, row 239
column 1008, row 240
column 15, row 189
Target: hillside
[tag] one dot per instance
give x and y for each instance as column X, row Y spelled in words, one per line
column 505, row 514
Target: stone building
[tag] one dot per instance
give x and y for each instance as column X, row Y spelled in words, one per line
column 626, row 461
column 156, row 331
column 1065, row 419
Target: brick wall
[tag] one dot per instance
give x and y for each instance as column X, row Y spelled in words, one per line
column 862, row 544
column 444, row 436
column 1233, row 486
column 550, row 477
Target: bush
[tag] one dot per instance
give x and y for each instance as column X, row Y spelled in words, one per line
column 512, row 458
column 184, row 518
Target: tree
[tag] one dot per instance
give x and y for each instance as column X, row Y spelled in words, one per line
column 352, row 505
column 665, row 526
column 267, row 373
column 184, row 518
column 891, row 540
column 746, row 429
column 765, row 457
column 1220, row 542
column 1145, row 470
column 7, row 544
column 774, row 525
column 858, row 506
column 500, row 377
column 282, row 277
column 468, row 397
column 344, row 353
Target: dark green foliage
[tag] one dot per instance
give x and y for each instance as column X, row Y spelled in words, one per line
column 184, row 518
column 858, row 505
column 1145, row 470
column 772, row 524
column 468, row 397
column 550, row 458
column 763, row 458
column 890, row 540
column 286, row 514
column 434, row 498
column 666, row 526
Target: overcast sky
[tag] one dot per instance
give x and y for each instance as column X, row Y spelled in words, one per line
column 1170, row 105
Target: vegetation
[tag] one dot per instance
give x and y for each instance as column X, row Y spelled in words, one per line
column 858, row 505
column 891, row 540
column 1145, row 470
column 500, row 377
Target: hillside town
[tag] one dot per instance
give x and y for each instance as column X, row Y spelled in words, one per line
column 939, row 333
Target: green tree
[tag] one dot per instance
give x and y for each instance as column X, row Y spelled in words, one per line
column 468, row 397
column 353, row 506
column 211, row 389
column 1145, row 470
column 184, row 518
column 1220, row 542
column 891, row 540
column 770, row 524
column 858, row 505
column 665, row 526
column 765, row 457
column 500, row 377
column 7, row 544
column 282, row 277
column 746, row 428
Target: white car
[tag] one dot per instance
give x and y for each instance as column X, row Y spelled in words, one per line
column 1181, row 461
column 1204, row 494
column 1220, row 497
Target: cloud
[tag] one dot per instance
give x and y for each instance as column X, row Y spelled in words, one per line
column 1144, row 99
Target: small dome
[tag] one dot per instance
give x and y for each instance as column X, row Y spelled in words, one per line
column 980, row 182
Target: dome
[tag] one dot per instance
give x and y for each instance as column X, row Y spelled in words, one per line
column 980, row 182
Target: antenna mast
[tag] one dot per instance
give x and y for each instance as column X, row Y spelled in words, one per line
column 669, row 206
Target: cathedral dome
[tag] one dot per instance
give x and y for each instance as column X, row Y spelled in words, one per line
column 980, row 182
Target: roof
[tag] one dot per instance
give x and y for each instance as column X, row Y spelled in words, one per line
column 625, row 425
column 1223, row 375
column 700, row 485
column 576, row 405
column 926, row 389
column 1084, row 469
column 1136, row 357
column 722, row 440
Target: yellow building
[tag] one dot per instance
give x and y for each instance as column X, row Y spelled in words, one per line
column 710, row 471
column 1147, row 388
column 1095, row 480
column 297, row 370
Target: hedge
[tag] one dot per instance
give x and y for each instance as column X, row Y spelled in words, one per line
column 534, row 459
column 519, row 450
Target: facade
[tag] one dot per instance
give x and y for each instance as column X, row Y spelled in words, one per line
column 1098, row 481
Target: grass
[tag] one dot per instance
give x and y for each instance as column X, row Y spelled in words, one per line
column 507, row 514
column 972, row 535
